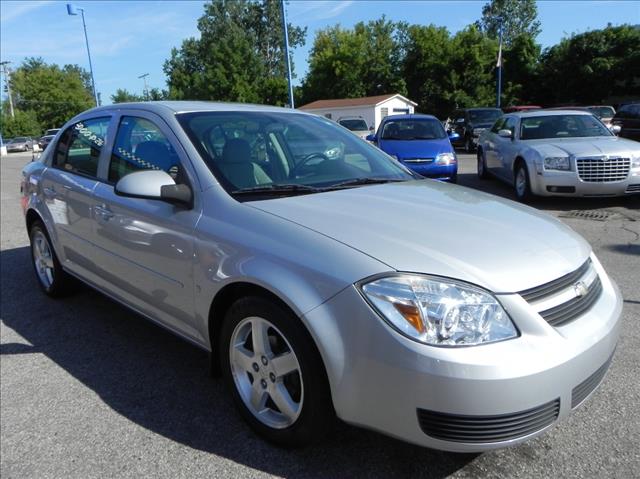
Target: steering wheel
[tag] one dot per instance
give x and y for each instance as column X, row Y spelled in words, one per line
column 303, row 162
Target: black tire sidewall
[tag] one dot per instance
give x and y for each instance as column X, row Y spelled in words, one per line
column 526, row 196
column 61, row 281
column 317, row 415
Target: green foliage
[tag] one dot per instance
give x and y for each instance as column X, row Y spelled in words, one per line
column 519, row 17
column 24, row 123
column 592, row 67
column 123, row 95
column 238, row 57
column 50, row 93
column 350, row 63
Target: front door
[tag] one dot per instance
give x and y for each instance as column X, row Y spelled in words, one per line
column 146, row 246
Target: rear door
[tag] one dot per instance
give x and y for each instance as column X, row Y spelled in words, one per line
column 505, row 149
column 68, row 187
column 490, row 144
column 146, row 246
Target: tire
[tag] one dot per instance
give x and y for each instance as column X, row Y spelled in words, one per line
column 522, row 183
column 468, row 145
column 482, row 166
column 52, row 279
column 290, row 409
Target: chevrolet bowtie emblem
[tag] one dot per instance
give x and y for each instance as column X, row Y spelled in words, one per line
column 581, row 289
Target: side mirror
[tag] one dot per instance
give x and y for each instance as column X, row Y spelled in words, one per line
column 505, row 133
column 153, row 185
column 371, row 138
column 453, row 135
column 615, row 129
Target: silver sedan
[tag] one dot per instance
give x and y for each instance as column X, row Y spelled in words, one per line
column 325, row 279
column 559, row 153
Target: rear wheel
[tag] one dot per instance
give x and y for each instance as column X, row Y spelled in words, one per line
column 482, row 166
column 468, row 145
column 275, row 373
column 522, row 183
column 51, row 277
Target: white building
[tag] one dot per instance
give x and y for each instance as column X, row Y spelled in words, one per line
column 372, row 108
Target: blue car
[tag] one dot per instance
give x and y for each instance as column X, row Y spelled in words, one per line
column 420, row 143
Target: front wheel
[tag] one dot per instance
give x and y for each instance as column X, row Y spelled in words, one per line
column 275, row 373
column 522, row 183
column 468, row 145
column 482, row 166
column 53, row 280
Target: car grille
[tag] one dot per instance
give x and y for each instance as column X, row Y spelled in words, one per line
column 564, row 299
column 586, row 387
column 418, row 160
column 487, row 429
column 601, row 170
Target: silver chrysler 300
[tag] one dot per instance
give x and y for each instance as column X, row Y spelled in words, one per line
column 559, row 153
column 325, row 278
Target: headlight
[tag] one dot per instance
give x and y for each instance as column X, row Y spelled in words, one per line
column 446, row 159
column 477, row 131
column 557, row 163
column 439, row 311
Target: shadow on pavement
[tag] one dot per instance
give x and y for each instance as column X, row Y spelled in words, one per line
column 162, row 384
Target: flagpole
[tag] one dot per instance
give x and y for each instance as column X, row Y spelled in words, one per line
column 499, row 65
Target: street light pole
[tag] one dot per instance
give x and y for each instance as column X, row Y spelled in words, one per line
column 7, row 79
column 73, row 10
column 499, row 65
column 146, row 88
column 286, row 51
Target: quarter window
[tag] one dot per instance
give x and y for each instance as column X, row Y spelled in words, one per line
column 141, row 145
column 78, row 150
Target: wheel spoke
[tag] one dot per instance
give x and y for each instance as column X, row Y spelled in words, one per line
column 284, row 364
column 282, row 399
column 242, row 358
column 258, row 396
column 260, row 338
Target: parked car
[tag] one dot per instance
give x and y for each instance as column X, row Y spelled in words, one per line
column 628, row 119
column 516, row 108
column 52, row 132
column 356, row 124
column 559, row 152
column 604, row 112
column 345, row 286
column 20, row 143
column 470, row 123
column 420, row 143
column 44, row 141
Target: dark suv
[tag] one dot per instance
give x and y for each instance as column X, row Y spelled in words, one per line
column 469, row 123
column 628, row 119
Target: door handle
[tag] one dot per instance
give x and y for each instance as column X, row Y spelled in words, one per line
column 104, row 212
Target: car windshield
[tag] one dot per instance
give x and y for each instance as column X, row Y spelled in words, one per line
column 484, row 116
column 602, row 111
column 285, row 153
column 413, row 129
column 354, row 125
column 561, row 126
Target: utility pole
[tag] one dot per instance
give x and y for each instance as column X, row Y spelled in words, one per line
column 73, row 10
column 146, row 89
column 499, row 65
column 286, row 51
column 7, row 81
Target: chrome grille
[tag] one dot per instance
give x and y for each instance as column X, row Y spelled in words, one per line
column 601, row 169
column 566, row 298
column 418, row 160
column 486, row 429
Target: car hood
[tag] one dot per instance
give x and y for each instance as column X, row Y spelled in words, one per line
column 430, row 227
column 416, row 148
column 484, row 125
column 585, row 146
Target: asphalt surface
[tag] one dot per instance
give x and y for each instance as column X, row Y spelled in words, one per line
column 88, row 389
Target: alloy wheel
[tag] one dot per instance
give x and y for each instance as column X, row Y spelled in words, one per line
column 43, row 259
column 266, row 372
column 521, row 183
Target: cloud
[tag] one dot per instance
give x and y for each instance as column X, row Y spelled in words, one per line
column 317, row 10
column 13, row 10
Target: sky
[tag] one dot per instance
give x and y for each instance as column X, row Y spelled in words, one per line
column 131, row 38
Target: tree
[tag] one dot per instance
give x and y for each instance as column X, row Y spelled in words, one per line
column 52, row 93
column 24, row 123
column 351, row 63
column 521, row 63
column 238, row 57
column 519, row 17
column 123, row 95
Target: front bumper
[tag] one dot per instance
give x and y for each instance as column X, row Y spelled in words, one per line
column 432, row 170
column 383, row 381
column 567, row 183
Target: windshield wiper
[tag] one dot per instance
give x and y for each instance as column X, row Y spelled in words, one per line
column 276, row 189
column 364, row 181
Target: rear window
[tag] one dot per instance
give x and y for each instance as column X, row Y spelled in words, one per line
column 354, row 125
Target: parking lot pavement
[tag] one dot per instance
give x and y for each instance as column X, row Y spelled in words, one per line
column 89, row 389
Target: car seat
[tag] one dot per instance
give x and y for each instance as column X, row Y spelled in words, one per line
column 237, row 167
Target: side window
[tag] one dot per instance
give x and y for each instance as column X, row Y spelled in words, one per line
column 497, row 126
column 140, row 145
column 78, row 149
column 510, row 124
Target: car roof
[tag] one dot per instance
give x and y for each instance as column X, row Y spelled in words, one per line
column 549, row 112
column 164, row 107
column 480, row 108
column 414, row 116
